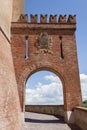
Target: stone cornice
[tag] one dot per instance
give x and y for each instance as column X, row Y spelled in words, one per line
column 23, row 28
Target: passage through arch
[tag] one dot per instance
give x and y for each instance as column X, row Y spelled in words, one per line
column 44, row 88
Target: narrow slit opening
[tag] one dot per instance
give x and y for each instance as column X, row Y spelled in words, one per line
column 26, row 53
column 61, row 48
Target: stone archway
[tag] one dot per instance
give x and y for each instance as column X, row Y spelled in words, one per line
column 28, row 72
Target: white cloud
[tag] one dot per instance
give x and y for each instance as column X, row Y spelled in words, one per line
column 52, row 93
column 52, row 78
column 83, row 79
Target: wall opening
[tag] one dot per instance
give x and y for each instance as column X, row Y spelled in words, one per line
column 44, row 88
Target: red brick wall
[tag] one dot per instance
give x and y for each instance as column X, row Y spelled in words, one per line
column 66, row 69
column 9, row 99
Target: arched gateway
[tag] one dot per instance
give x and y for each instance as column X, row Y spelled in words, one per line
column 47, row 46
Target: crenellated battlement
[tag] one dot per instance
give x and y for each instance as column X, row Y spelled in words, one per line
column 23, row 18
column 33, row 18
column 52, row 19
column 43, row 18
column 62, row 19
column 72, row 19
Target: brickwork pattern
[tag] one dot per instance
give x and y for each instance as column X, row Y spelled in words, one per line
column 66, row 69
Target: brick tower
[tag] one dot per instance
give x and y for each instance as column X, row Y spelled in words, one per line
column 47, row 46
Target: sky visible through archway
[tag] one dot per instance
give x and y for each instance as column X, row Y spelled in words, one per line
column 44, row 88
column 67, row 7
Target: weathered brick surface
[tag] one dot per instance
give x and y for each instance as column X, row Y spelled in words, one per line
column 66, row 69
column 9, row 99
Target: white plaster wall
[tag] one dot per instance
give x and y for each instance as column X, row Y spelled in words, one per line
column 18, row 8
column 10, row 11
column 6, row 16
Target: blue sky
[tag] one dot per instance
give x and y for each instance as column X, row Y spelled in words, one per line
column 65, row 7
